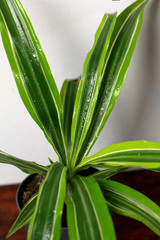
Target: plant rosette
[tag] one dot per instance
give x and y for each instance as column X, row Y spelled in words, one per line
column 72, row 121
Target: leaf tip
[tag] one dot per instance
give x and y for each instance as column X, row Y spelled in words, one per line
column 9, row 234
column 111, row 14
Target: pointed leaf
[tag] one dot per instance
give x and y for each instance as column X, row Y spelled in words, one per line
column 33, row 75
column 10, row 54
column 129, row 202
column 24, row 215
column 107, row 173
column 23, row 165
column 68, row 94
column 46, row 219
column 143, row 154
column 42, row 57
column 117, row 60
column 87, row 93
column 88, row 217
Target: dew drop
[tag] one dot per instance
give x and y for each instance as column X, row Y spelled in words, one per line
column 16, row 76
column 117, row 92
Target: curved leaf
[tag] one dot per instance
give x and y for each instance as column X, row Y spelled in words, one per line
column 117, row 60
column 87, row 93
column 107, row 173
column 23, row 165
column 46, row 220
column 68, row 94
column 42, row 58
column 24, row 215
column 143, row 154
column 129, row 202
column 88, row 217
column 33, row 76
column 10, row 54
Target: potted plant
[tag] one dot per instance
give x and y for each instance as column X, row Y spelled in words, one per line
column 71, row 122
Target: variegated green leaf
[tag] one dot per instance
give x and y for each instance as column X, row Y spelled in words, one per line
column 10, row 54
column 32, row 73
column 117, row 60
column 46, row 220
column 87, row 93
column 155, row 169
column 143, row 154
column 23, row 165
column 24, row 215
column 107, row 173
column 42, row 58
column 88, row 217
column 68, row 94
column 129, row 202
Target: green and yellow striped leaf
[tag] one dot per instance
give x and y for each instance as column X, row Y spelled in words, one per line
column 87, row 93
column 107, row 173
column 10, row 54
column 24, row 215
column 46, row 220
column 129, row 202
column 32, row 73
column 144, row 154
column 117, row 60
column 88, row 217
column 68, row 94
column 23, row 165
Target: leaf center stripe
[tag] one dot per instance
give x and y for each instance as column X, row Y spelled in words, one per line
column 57, row 201
column 85, row 207
column 131, row 202
column 117, row 35
column 75, row 217
column 100, row 230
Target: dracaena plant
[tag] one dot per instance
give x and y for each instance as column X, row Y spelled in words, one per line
column 71, row 122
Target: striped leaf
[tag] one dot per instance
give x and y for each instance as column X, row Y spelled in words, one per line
column 88, row 217
column 155, row 169
column 32, row 73
column 68, row 94
column 143, row 154
column 117, row 60
column 10, row 54
column 129, row 202
column 23, row 165
column 24, row 215
column 107, row 173
column 87, row 93
column 46, row 220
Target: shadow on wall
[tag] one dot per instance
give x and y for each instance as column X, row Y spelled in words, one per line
column 149, row 69
column 136, row 113
column 66, row 37
column 137, row 109
column 122, row 127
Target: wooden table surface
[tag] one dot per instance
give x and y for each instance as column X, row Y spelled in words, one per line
column 126, row 229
